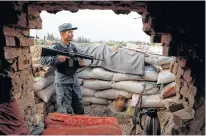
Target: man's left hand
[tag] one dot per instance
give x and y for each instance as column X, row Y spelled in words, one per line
column 81, row 62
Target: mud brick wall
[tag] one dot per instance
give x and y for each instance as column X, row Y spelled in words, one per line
column 186, row 113
column 180, row 35
column 15, row 46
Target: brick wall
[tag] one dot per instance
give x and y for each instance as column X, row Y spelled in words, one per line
column 16, row 49
column 26, row 16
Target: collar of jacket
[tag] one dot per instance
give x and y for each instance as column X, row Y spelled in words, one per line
column 64, row 45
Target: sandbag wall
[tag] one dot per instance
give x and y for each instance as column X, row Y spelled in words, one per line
column 44, row 90
column 101, row 86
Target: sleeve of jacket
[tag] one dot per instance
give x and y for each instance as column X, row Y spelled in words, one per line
column 76, row 51
column 49, row 60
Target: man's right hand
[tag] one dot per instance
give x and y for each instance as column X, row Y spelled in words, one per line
column 62, row 58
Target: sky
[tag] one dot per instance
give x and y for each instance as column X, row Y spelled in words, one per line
column 96, row 25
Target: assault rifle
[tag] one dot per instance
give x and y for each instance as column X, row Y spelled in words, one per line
column 53, row 52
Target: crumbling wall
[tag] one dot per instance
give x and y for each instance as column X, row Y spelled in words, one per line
column 171, row 25
column 15, row 46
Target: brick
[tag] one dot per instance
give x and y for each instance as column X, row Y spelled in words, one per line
column 11, row 53
column 172, row 66
column 24, row 62
column 165, row 50
column 185, row 87
column 33, row 11
column 192, row 90
column 185, row 113
column 35, row 23
column 177, row 87
column 175, row 107
column 10, row 41
column 45, row 74
column 13, row 67
column 175, row 68
column 187, row 76
column 15, row 32
column 166, row 38
column 20, row 79
column 34, row 19
column 26, row 41
column 22, row 20
column 28, row 85
column 40, row 107
column 17, row 95
column 180, row 72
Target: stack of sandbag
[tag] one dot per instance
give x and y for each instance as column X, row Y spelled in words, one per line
column 101, row 86
column 43, row 86
column 45, row 98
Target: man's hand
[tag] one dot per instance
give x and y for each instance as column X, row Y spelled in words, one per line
column 81, row 62
column 62, row 58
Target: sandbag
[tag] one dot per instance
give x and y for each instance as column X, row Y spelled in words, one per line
column 168, row 90
column 85, row 73
column 46, row 93
column 100, row 73
column 165, row 76
column 41, row 83
column 87, row 91
column 95, row 73
column 152, row 101
column 80, row 81
column 112, row 94
column 158, row 59
column 153, row 90
column 97, row 84
column 94, row 100
column 130, row 86
column 125, row 77
column 150, row 74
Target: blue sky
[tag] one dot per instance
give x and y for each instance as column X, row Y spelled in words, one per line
column 95, row 24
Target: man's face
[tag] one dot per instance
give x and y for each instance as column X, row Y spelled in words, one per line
column 67, row 35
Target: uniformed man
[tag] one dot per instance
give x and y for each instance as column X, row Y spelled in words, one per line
column 66, row 82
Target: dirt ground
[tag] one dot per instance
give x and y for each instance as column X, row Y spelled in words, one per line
column 125, row 121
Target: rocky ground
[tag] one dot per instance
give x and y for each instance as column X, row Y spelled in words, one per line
column 125, row 121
